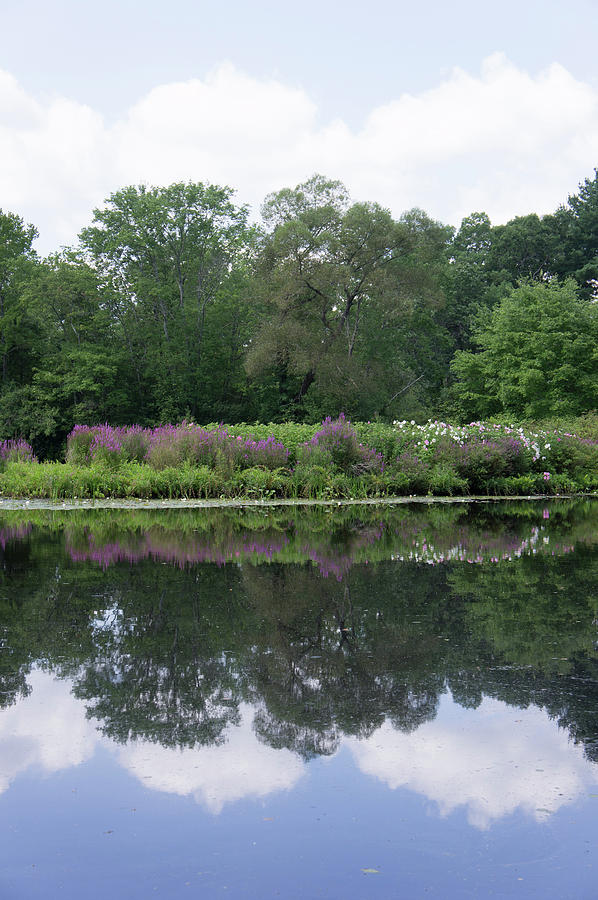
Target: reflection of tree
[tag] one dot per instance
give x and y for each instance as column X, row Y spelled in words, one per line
column 168, row 653
column 537, row 612
column 162, row 671
column 329, row 666
column 540, row 618
column 334, row 540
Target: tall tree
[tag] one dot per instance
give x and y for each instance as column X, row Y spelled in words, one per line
column 169, row 255
column 576, row 226
column 332, row 272
column 16, row 257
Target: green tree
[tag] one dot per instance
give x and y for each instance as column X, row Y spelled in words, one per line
column 523, row 248
column 537, row 355
column 16, row 256
column 576, row 225
column 170, row 255
column 333, row 275
column 81, row 375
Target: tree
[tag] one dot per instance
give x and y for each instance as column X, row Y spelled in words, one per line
column 16, row 259
column 523, row 248
column 82, row 372
column 576, row 225
column 537, row 355
column 332, row 274
column 168, row 255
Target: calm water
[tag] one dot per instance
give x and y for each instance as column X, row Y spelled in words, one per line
column 368, row 703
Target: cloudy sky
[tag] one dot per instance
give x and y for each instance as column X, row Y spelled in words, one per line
column 452, row 107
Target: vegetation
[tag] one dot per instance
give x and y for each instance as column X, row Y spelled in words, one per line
column 173, row 306
column 337, row 460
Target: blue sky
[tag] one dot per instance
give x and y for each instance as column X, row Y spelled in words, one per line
column 451, row 107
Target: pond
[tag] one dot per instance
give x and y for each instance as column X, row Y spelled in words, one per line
column 368, row 702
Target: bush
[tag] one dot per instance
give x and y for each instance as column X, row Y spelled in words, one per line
column 106, row 448
column 443, row 480
column 414, row 470
column 570, row 455
column 135, row 442
column 78, row 443
column 16, row 451
column 338, row 442
column 479, row 460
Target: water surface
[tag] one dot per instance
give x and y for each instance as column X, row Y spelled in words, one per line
column 364, row 702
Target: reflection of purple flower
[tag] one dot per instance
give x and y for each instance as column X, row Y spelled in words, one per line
column 14, row 533
column 178, row 550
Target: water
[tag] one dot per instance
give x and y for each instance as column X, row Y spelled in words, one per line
column 364, row 702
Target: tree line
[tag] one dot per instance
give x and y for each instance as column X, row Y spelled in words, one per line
column 173, row 305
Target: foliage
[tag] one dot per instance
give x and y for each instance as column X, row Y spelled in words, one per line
column 16, row 451
column 173, row 307
column 537, row 355
column 343, row 282
column 189, row 461
column 172, row 260
column 336, row 444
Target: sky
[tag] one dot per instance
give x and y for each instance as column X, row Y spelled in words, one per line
column 453, row 108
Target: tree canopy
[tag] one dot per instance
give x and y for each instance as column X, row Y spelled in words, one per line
column 538, row 355
column 174, row 305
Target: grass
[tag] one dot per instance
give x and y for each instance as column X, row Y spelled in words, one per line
column 337, row 460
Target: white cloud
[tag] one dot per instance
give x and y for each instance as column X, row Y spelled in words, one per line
column 503, row 140
column 48, row 730
column 493, row 761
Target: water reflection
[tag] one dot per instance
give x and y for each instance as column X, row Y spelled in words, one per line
column 215, row 654
column 333, row 539
column 493, row 763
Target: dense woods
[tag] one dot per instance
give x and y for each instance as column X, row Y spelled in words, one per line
column 174, row 305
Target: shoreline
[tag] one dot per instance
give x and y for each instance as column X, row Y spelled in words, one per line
column 15, row 503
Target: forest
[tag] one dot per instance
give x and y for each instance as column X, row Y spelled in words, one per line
column 175, row 305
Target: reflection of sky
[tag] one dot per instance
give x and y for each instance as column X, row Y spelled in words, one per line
column 492, row 761
column 242, row 767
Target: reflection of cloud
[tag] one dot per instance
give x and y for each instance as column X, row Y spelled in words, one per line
column 242, row 767
column 493, row 760
column 49, row 729
column 46, row 729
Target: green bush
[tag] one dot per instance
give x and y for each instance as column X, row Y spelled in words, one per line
column 444, row 480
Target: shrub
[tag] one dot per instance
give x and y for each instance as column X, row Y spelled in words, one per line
column 569, row 454
column 268, row 452
column 16, row 451
column 106, row 447
column 444, row 480
column 135, row 442
column 414, row 470
column 478, row 460
column 338, row 441
column 78, row 443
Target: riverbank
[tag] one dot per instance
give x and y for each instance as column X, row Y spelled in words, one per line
column 134, row 481
column 337, row 461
